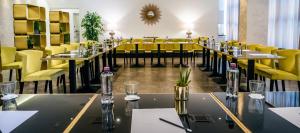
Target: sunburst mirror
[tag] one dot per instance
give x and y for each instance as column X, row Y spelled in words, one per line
column 150, row 14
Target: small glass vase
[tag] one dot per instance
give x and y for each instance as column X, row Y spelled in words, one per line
column 181, row 93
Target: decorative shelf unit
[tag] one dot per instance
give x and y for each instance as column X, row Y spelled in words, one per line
column 59, row 28
column 29, row 26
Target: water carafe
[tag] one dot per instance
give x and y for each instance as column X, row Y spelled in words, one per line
column 232, row 81
column 106, row 86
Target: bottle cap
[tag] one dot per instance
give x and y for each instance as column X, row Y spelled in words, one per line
column 106, row 69
column 232, row 65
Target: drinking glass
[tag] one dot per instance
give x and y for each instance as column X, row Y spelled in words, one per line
column 257, row 89
column 131, row 87
column 7, row 88
column 9, row 105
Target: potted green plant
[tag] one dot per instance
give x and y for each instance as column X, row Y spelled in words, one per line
column 182, row 86
column 29, row 43
column 92, row 25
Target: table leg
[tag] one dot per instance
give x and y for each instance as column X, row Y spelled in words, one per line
column 207, row 60
column 203, row 57
column 104, row 60
column 115, row 57
column 72, row 76
column 86, row 74
column 215, row 67
column 223, row 79
column 137, row 57
column 158, row 58
column 110, row 60
column 250, row 74
column 97, row 69
column 181, row 57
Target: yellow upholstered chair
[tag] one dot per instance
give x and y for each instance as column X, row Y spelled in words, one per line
column 244, row 63
column 265, row 63
column 70, row 47
column 288, row 68
column 31, row 70
column 121, row 50
column 8, row 58
column 56, row 64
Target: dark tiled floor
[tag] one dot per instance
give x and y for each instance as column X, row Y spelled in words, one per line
column 155, row 80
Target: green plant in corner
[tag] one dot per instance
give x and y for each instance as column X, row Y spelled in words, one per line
column 93, row 26
column 183, row 80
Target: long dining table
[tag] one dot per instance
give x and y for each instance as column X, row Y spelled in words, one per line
column 203, row 112
column 74, row 56
column 249, row 55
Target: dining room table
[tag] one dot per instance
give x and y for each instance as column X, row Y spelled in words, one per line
column 202, row 112
column 245, row 54
column 74, row 56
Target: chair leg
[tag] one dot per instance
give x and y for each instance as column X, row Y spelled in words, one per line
column 299, row 85
column 64, row 83
column 276, row 85
column 144, row 58
column 21, row 87
column 151, row 56
column 81, row 76
column 255, row 76
column 46, row 86
column 283, row 85
column 19, row 74
column 124, row 59
column 50, row 87
column 57, row 81
column 240, row 77
column 271, row 85
column 35, row 86
column 10, row 74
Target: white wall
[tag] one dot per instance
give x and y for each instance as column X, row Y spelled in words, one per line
column 200, row 16
column 177, row 16
column 257, row 21
column 6, row 19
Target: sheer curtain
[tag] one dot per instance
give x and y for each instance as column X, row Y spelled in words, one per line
column 231, row 19
column 284, row 25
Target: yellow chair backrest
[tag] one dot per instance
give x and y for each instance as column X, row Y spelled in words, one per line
column 148, row 47
column 31, row 61
column 8, row 55
column 188, row 47
column 121, row 47
column 137, row 40
column 197, row 47
column 168, row 47
column 75, row 45
column 254, row 46
column 160, row 40
column 266, row 50
column 52, row 50
column 129, row 47
column 176, row 46
column 203, row 38
column 298, row 65
column 69, row 47
column 231, row 42
column 290, row 63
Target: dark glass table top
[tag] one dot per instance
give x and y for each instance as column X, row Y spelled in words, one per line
column 201, row 113
column 197, row 105
column 255, row 113
column 55, row 112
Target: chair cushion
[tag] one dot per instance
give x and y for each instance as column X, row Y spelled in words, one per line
column 13, row 65
column 258, row 65
column 64, row 66
column 43, row 75
column 275, row 74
